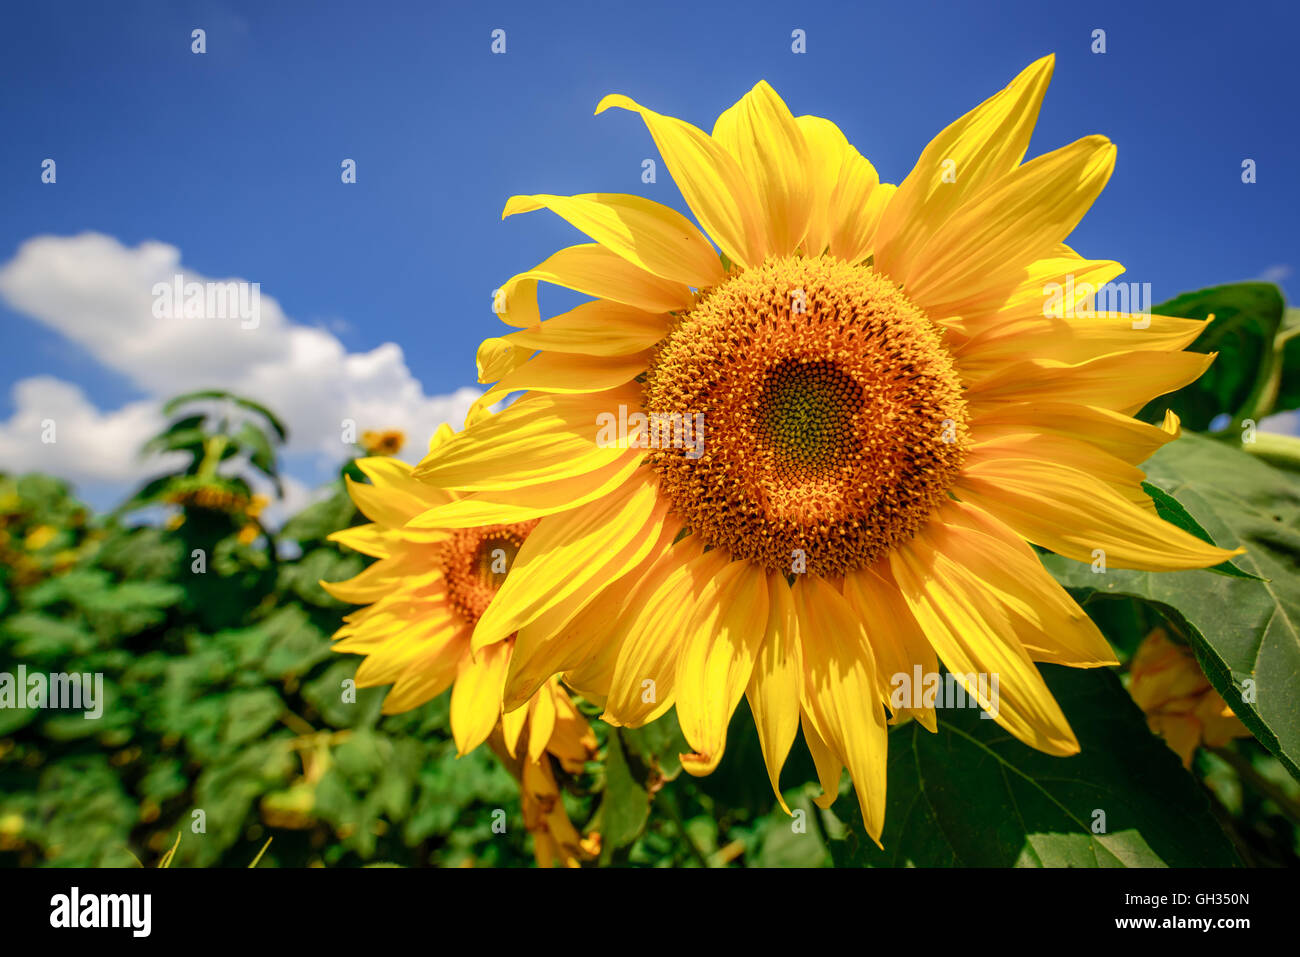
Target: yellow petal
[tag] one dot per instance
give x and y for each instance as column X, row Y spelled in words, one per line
column 1076, row 339
column 647, row 234
column 1031, row 290
column 956, row 608
column 763, row 137
column 476, row 695
column 895, row 639
column 829, row 767
column 982, row 146
column 1123, row 382
column 827, row 147
column 429, row 673
column 565, row 373
column 1010, row 223
column 711, row 182
column 541, row 722
column 538, row 438
column 842, row 692
column 1128, row 439
column 774, row 685
column 592, row 269
column 650, row 639
column 579, row 632
column 1047, row 621
column 1074, row 514
column 717, row 658
column 596, row 328
column 564, row 553
column 522, row 504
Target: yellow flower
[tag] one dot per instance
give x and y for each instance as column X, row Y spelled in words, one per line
column 389, row 442
column 424, row 595
column 39, row 537
column 813, row 463
column 1180, row 704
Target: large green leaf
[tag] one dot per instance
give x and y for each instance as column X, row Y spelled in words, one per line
column 971, row 795
column 1241, row 630
column 1246, row 320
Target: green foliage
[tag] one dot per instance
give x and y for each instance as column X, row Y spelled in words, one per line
column 1255, row 373
column 1242, row 630
column 1122, row 801
column 223, row 704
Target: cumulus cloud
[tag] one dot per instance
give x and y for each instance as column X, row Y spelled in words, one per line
column 103, row 296
column 56, row 429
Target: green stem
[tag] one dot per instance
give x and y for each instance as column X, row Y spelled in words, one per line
column 1282, row 451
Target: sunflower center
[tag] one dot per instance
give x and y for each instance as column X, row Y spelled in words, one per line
column 475, row 563
column 834, row 419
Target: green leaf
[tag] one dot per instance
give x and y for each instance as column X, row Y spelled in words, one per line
column 1287, row 348
column 971, row 795
column 1240, row 629
column 321, row 519
column 626, row 805
column 1171, row 511
column 1246, row 320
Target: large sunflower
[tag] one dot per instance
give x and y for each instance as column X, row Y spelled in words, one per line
column 814, row 462
column 425, row 593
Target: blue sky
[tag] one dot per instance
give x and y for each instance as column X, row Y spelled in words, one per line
column 233, row 156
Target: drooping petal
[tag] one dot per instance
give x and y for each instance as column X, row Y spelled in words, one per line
column 649, row 638
column 958, row 611
column 476, row 695
column 842, row 692
column 774, row 685
column 895, row 639
column 580, row 632
column 719, row 647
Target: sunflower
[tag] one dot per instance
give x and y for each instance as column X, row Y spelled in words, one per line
column 424, row 595
column 813, row 460
column 1178, row 700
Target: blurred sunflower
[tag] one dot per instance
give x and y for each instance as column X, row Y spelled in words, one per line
column 424, row 595
column 388, row 442
column 1180, row 704
column 815, row 460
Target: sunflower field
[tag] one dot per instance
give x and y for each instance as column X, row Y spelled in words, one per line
column 227, row 719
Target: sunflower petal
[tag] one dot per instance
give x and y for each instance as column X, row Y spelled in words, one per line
column 763, row 137
column 710, row 180
column 647, row 234
column 721, row 642
column 842, row 691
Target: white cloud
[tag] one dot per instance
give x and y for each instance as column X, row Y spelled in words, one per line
column 1275, row 274
column 98, row 293
column 56, row 429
